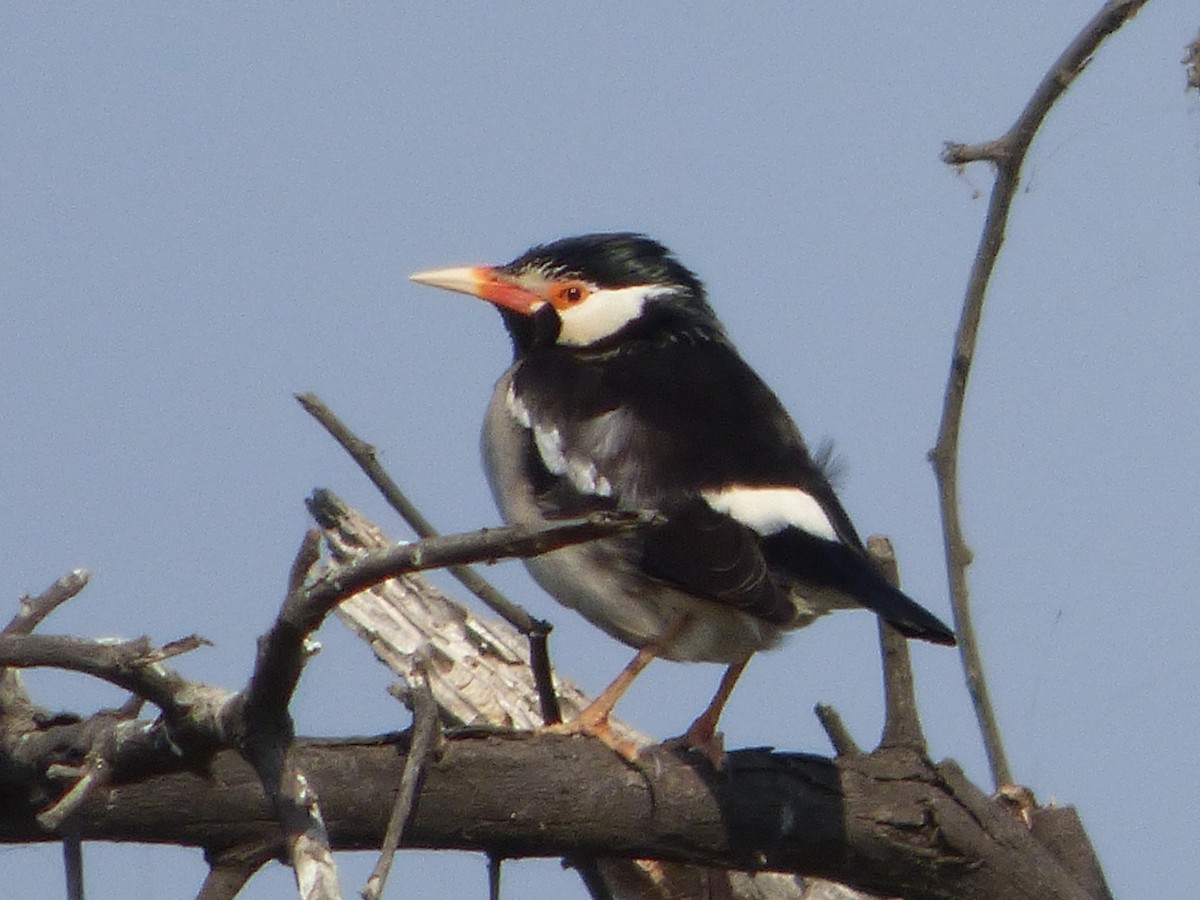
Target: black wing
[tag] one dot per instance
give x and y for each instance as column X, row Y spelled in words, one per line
column 715, row 556
column 663, row 425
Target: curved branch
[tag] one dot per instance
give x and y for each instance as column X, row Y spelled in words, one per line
column 135, row 665
column 1008, row 155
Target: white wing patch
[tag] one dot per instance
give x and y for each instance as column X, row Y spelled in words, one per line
column 550, row 448
column 771, row 509
column 580, row 472
column 516, row 408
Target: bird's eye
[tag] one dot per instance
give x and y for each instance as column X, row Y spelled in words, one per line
column 569, row 294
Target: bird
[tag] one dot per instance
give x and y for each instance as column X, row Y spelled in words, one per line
column 626, row 393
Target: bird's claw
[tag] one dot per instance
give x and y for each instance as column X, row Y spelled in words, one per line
column 711, row 746
column 601, row 730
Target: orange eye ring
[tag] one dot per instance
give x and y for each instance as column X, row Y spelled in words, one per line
column 569, row 293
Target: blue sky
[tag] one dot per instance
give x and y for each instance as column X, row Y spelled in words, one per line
column 206, row 209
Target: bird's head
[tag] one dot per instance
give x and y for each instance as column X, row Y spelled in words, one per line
column 590, row 292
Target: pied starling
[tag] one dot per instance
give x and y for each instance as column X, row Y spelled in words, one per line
column 626, row 393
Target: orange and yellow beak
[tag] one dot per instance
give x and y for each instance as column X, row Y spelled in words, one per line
column 487, row 283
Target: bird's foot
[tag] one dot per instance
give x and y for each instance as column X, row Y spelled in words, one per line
column 703, row 740
column 598, row 727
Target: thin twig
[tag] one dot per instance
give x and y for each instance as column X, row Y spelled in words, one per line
column 135, row 665
column 73, row 864
column 543, row 675
column 420, row 748
column 283, row 650
column 1008, row 155
column 495, row 863
column 95, row 775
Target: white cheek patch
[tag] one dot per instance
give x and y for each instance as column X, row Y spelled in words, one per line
column 603, row 313
column 768, row 510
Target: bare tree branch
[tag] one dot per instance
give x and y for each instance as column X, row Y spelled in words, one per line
column 489, row 544
column 835, row 729
column 259, row 724
column 1007, row 154
column 873, row 821
column 135, row 665
column 34, row 610
column 889, row 822
column 902, row 721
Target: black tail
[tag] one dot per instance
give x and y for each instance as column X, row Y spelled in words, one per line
column 906, row 615
column 848, row 571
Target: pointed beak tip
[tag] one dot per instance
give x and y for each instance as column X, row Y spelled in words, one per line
column 464, row 280
column 484, row 282
column 425, row 276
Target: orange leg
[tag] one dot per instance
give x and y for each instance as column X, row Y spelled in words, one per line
column 593, row 720
column 703, row 735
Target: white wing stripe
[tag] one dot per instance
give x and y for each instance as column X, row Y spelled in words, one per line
column 582, row 474
column 516, row 408
column 771, row 509
column 550, row 448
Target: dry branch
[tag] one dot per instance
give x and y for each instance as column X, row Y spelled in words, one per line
column 482, row 678
column 1008, row 155
column 901, row 721
column 890, row 821
column 424, row 735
